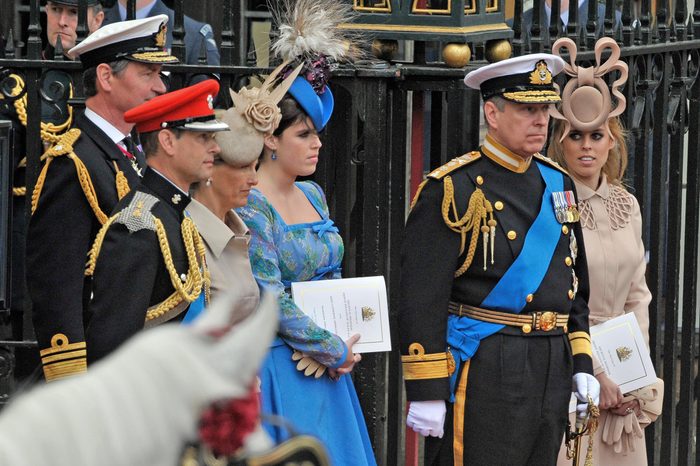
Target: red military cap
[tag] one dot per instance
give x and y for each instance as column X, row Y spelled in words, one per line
column 190, row 108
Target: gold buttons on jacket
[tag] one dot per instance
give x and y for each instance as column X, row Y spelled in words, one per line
column 479, row 179
column 512, row 235
column 568, row 261
column 529, row 298
column 498, row 205
column 565, row 229
column 571, row 294
column 527, row 328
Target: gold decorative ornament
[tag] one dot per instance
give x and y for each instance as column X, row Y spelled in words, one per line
column 498, row 205
column 529, row 298
column 541, row 74
column 565, row 229
column 161, row 35
column 456, row 55
column 571, row 294
column 497, row 50
column 479, row 180
column 368, row 313
column 384, row 49
column 568, row 261
column 512, row 235
column 623, row 353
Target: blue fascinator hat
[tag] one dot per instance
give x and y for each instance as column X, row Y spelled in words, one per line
column 308, row 34
column 311, row 91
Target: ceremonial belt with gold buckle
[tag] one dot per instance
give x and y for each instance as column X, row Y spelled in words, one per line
column 541, row 320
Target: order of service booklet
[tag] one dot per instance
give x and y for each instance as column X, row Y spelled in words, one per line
column 619, row 346
column 347, row 306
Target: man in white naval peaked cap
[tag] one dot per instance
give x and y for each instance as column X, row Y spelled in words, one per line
column 94, row 165
column 493, row 319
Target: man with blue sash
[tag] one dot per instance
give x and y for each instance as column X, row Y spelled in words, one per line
column 494, row 289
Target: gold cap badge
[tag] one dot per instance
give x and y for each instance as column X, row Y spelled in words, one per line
column 541, row 74
column 160, row 36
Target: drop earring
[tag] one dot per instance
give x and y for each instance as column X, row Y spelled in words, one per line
column 274, row 156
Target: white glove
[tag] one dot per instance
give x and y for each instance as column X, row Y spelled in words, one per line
column 585, row 385
column 427, row 417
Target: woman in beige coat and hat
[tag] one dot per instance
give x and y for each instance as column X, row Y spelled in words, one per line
column 254, row 115
column 589, row 141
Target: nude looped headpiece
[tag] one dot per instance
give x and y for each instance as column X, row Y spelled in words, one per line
column 586, row 101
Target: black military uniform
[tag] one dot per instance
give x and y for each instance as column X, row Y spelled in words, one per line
column 149, row 259
column 61, row 231
column 132, row 277
column 84, row 176
column 487, row 302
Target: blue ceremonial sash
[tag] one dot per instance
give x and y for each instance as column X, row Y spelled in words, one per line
column 523, row 277
column 194, row 310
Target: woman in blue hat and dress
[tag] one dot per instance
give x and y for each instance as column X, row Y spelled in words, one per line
column 305, row 378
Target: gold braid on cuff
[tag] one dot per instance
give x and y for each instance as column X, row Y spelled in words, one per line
column 420, row 366
column 580, row 343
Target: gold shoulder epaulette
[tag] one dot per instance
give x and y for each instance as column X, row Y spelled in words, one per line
column 137, row 214
column 550, row 162
column 64, row 145
column 454, row 164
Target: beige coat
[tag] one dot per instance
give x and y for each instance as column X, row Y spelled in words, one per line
column 227, row 255
column 612, row 231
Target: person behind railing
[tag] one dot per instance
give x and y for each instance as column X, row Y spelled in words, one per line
column 582, row 18
column 493, row 314
column 56, row 118
column 148, row 259
column 305, row 378
column 86, row 172
column 197, row 34
column 62, row 23
column 590, row 144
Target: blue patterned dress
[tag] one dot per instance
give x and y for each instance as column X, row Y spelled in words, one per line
column 281, row 254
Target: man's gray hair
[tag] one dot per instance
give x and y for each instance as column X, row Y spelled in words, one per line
column 90, row 76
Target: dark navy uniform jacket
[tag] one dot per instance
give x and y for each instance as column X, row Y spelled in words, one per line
column 431, row 255
column 130, row 274
column 61, row 231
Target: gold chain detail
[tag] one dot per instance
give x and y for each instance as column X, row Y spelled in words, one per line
column 474, row 220
column 197, row 275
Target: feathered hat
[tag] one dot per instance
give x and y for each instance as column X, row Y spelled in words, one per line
column 308, row 35
column 586, row 101
column 253, row 116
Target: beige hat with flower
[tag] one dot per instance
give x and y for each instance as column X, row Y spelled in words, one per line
column 253, row 116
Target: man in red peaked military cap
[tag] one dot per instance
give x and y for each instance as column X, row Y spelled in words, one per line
column 148, row 260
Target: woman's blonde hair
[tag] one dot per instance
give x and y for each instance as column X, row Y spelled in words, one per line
column 616, row 165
